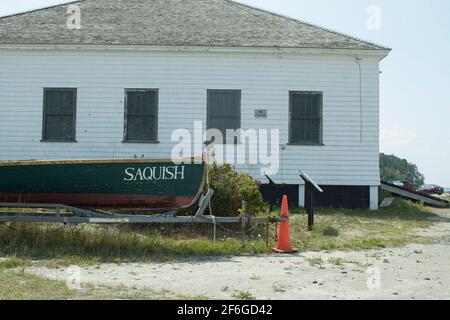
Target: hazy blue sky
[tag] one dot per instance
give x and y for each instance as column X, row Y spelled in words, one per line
column 415, row 83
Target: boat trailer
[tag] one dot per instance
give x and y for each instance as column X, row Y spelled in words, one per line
column 60, row 213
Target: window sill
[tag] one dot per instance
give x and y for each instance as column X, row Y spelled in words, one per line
column 141, row 141
column 306, row 144
column 58, row 141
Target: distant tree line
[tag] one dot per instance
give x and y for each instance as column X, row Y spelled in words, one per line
column 394, row 168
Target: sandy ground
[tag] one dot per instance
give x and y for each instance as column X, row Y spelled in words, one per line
column 411, row 272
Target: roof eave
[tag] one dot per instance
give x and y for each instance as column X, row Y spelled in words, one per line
column 382, row 52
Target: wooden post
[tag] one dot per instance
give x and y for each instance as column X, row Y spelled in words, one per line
column 243, row 233
column 311, row 213
column 309, row 204
column 243, row 223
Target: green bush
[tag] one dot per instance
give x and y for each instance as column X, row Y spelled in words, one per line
column 231, row 188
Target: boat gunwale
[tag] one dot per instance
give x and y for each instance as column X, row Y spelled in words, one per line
column 192, row 160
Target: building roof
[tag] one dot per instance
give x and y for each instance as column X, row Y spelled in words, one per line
column 212, row 23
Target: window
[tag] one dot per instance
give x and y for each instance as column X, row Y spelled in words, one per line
column 305, row 126
column 59, row 115
column 141, row 116
column 224, row 110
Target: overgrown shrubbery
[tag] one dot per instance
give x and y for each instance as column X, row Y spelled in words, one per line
column 231, row 188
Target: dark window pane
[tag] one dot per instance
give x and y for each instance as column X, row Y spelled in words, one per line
column 313, row 106
column 305, row 106
column 134, row 103
column 224, row 104
column 67, row 102
column 315, row 131
column 305, row 118
column 297, row 103
column 134, row 128
column 141, row 110
column 59, row 114
column 53, row 100
column 305, row 131
column 52, row 127
column 224, row 123
column 66, row 127
column 215, row 105
column 224, row 110
column 149, row 103
column 147, row 127
column 297, row 131
column 231, row 104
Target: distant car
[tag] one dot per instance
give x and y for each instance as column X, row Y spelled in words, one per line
column 432, row 189
column 405, row 184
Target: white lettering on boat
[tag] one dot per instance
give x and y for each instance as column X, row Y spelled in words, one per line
column 128, row 172
column 154, row 173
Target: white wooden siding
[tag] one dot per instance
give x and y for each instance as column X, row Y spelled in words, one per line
column 182, row 80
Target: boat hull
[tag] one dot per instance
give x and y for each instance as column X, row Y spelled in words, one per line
column 116, row 184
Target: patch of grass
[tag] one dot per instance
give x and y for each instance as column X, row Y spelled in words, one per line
column 19, row 285
column 243, row 295
column 336, row 261
column 330, row 232
column 278, row 288
column 361, row 229
column 90, row 245
column 315, row 261
column 23, row 286
column 13, row 263
column 255, row 277
column 70, row 261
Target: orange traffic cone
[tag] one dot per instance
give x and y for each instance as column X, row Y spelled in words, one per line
column 284, row 239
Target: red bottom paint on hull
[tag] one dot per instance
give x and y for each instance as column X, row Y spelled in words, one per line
column 110, row 201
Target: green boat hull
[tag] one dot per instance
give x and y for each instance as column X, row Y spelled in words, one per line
column 112, row 184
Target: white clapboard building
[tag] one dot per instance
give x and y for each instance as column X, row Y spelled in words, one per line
column 101, row 79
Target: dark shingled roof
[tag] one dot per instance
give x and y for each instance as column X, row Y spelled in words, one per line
column 218, row 23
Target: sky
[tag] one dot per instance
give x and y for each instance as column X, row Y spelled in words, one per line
column 415, row 79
